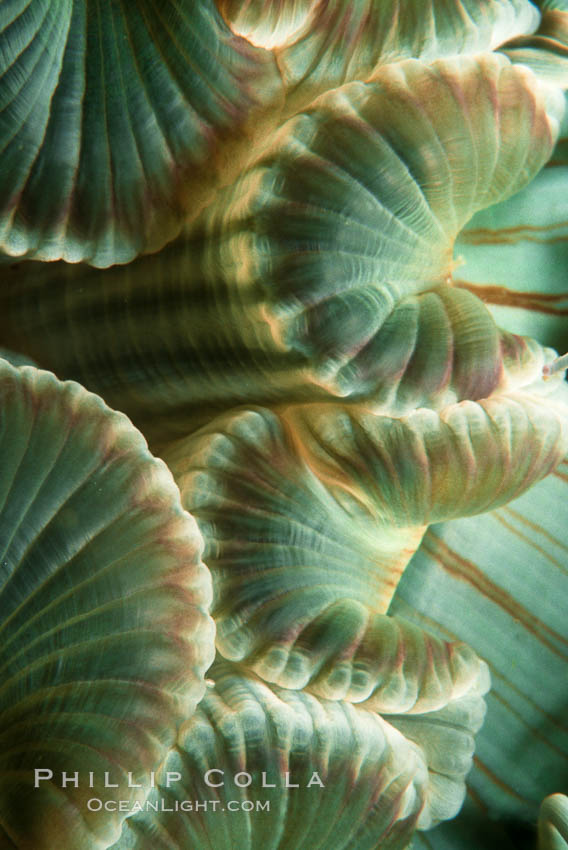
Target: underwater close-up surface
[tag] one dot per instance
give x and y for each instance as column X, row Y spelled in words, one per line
column 283, row 425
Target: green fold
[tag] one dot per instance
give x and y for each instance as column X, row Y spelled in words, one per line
column 113, row 122
column 105, row 634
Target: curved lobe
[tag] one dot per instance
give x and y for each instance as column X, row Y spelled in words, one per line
column 311, row 515
column 546, row 50
column 335, row 776
column 115, row 136
column 553, row 823
column 105, row 635
column 342, row 41
column 308, row 279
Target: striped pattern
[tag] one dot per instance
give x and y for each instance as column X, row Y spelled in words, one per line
column 376, row 786
column 326, row 271
column 305, row 279
column 311, row 516
column 344, row 40
column 546, row 50
column 499, row 582
column 113, row 116
column 513, row 255
column 105, row 635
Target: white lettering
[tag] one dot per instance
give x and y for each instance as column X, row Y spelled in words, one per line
column 213, row 784
column 266, row 784
column 47, row 774
column 108, row 783
column 73, row 779
column 289, row 784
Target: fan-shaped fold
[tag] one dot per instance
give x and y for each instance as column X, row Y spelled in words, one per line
column 348, row 214
column 308, row 278
column 328, row 774
column 311, row 515
column 326, row 43
column 114, row 120
column 104, row 633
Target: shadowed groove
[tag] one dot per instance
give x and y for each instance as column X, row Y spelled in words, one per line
column 264, row 484
column 275, row 297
